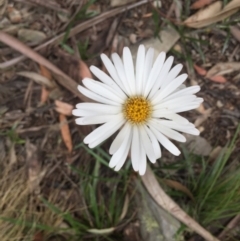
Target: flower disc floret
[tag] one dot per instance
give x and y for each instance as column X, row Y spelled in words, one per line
column 137, row 110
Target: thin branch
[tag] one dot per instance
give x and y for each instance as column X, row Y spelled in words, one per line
column 162, row 199
column 62, row 78
column 75, row 30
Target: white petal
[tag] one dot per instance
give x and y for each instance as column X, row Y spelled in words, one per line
column 147, row 145
column 94, row 86
column 172, row 75
column 107, row 80
column 125, row 154
column 96, row 97
column 186, row 91
column 189, row 98
column 180, row 101
column 177, row 118
column 174, row 125
column 148, row 66
column 155, row 143
column 165, row 142
column 157, row 66
column 100, row 131
column 142, row 161
column 170, row 88
column 187, row 128
column 160, row 112
column 98, row 108
column 112, row 71
column 161, row 77
column 107, row 134
column 123, row 133
column 192, row 131
column 121, row 73
column 135, row 149
column 121, row 154
column 140, row 62
column 187, row 107
column 77, row 112
column 129, row 69
column 97, row 119
column 168, row 114
column 102, row 89
column 167, row 131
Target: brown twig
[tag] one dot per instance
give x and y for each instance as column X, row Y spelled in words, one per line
column 232, row 224
column 162, row 199
column 63, row 79
column 77, row 29
column 48, row 4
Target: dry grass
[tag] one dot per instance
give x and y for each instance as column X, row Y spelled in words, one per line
column 22, row 213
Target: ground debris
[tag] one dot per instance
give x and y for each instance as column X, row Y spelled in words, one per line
column 197, row 145
column 35, row 171
column 155, row 222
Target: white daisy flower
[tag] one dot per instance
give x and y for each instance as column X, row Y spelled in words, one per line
column 142, row 103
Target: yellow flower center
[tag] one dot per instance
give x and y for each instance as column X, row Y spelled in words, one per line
column 137, row 110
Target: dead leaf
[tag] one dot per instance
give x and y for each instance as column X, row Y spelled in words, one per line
column 235, row 31
column 116, row 3
column 14, row 15
column 205, row 115
column 223, row 68
column 200, row 70
column 161, row 198
column 178, row 186
column 45, row 93
column 197, row 145
column 212, row 14
column 63, row 108
column 84, row 70
column 218, row 79
column 31, row 36
column 65, row 131
column 37, row 78
column 215, row 153
column 45, row 72
column 200, row 4
column 205, row 13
